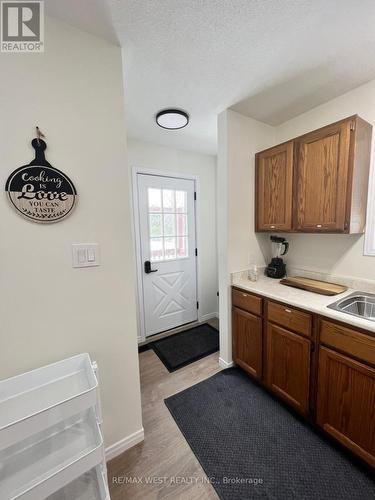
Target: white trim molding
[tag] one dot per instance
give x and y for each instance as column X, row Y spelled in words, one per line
column 206, row 317
column 225, row 364
column 369, row 246
column 124, row 444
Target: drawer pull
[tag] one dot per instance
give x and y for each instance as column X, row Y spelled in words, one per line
column 244, row 295
column 318, row 225
column 287, row 310
column 273, row 227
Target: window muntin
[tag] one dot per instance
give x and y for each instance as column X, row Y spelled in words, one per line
column 167, row 224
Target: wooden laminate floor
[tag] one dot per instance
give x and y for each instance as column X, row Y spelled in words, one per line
column 162, row 466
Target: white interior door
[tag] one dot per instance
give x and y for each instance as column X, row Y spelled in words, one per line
column 167, row 237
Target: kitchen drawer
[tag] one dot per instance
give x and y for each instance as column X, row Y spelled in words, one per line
column 247, row 301
column 290, row 318
column 348, row 341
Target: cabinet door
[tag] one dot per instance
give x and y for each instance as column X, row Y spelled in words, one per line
column 247, row 341
column 321, row 179
column 273, row 188
column 288, row 366
column 346, row 402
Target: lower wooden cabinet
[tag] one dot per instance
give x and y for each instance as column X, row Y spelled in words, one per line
column 337, row 382
column 247, row 341
column 288, row 366
column 346, row 402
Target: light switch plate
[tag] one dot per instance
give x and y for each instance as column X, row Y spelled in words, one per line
column 85, row 254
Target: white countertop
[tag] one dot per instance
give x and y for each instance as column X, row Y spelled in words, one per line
column 272, row 289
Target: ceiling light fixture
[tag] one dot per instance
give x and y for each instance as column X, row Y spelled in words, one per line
column 172, row 119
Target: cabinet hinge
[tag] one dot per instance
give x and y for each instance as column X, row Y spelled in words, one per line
column 195, row 196
column 197, row 305
column 196, row 252
column 312, row 347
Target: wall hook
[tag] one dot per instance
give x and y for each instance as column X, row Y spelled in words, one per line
column 39, row 134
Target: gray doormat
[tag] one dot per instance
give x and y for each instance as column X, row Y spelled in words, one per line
column 186, row 347
column 253, row 447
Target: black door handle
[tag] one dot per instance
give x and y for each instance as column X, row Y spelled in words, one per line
column 148, row 269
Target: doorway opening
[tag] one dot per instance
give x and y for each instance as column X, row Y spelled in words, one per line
column 165, row 209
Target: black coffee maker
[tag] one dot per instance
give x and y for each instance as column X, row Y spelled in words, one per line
column 277, row 268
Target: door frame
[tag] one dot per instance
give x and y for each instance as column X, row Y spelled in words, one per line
column 135, row 170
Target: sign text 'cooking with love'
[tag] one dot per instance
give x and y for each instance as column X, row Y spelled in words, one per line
column 39, row 191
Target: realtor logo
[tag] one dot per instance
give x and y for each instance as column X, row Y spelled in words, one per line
column 22, row 26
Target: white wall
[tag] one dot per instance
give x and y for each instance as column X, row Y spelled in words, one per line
column 334, row 254
column 245, row 137
column 240, row 138
column 152, row 156
column 48, row 309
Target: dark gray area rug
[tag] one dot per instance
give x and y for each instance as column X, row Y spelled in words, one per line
column 185, row 347
column 252, row 447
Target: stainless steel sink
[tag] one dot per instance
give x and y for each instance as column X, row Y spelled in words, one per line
column 359, row 304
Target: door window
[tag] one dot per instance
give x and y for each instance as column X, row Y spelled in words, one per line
column 167, row 223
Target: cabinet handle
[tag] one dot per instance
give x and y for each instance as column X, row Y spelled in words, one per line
column 273, row 227
column 318, row 225
column 287, row 310
column 244, row 295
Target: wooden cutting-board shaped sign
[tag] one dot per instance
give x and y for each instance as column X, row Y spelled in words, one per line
column 40, row 192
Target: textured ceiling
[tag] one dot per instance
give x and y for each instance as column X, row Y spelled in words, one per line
column 269, row 59
column 92, row 16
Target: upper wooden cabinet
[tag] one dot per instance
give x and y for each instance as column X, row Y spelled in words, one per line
column 322, row 172
column 330, row 170
column 274, row 185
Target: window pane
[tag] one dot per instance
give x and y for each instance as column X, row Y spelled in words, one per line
column 181, row 205
column 155, row 225
column 182, row 248
column 154, row 200
column 156, row 249
column 169, row 225
column 168, row 200
column 182, row 229
column 169, row 248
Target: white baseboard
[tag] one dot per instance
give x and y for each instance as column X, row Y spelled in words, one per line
column 206, row 317
column 124, row 444
column 225, row 364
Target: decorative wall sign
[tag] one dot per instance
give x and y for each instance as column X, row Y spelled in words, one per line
column 39, row 191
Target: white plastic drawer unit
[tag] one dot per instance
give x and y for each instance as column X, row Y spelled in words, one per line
column 43, row 397
column 49, row 460
column 90, row 486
